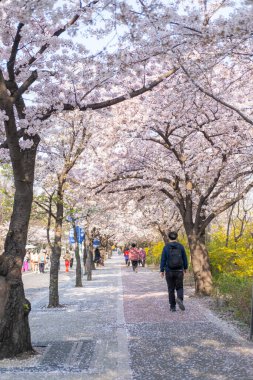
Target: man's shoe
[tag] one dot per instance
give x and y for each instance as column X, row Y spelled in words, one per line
column 173, row 308
column 180, row 304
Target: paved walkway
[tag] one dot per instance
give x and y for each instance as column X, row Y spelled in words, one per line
column 118, row 326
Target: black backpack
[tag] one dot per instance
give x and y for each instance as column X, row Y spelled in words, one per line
column 175, row 259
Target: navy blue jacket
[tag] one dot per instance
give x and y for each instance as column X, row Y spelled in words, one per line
column 166, row 252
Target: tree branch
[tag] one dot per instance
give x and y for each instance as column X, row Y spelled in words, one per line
column 238, row 175
column 224, row 208
column 225, row 104
column 48, row 210
column 111, row 102
column 119, row 99
column 14, row 50
column 29, row 81
column 210, row 189
column 57, row 33
column 130, row 188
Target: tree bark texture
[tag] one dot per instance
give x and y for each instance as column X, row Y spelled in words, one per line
column 88, row 265
column 164, row 236
column 200, row 265
column 84, row 258
column 93, row 267
column 15, row 337
column 78, row 267
column 56, row 250
column 89, row 259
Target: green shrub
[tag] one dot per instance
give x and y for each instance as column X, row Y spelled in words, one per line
column 238, row 294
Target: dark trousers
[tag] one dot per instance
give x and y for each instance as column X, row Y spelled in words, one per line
column 134, row 264
column 175, row 282
column 41, row 267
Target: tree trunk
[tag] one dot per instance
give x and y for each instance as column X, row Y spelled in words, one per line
column 164, row 236
column 15, row 337
column 78, row 267
column 200, row 265
column 56, row 250
column 89, row 260
column 89, row 265
column 84, row 258
column 228, row 225
column 93, row 267
column 107, row 249
column 54, row 277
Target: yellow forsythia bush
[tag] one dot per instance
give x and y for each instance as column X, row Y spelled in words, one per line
column 154, row 252
column 236, row 258
column 232, row 269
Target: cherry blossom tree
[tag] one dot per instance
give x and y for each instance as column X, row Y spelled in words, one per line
column 59, row 159
column 201, row 192
column 159, row 212
column 194, row 151
column 41, row 74
column 120, row 216
column 45, row 69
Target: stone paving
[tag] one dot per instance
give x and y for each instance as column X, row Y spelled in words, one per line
column 194, row 344
column 119, row 327
column 86, row 339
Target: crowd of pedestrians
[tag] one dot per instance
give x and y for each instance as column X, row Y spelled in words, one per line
column 36, row 261
column 39, row 261
column 173, row 264
column 136, row 256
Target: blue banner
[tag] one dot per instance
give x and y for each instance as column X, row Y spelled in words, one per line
column 79, row 233
column 96, row 243
column 71, row 236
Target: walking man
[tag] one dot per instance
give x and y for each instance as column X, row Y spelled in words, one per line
column 174, row 262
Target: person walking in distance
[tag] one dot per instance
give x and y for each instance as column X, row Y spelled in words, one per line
column 134, row 256
column 25, row 263
column 42, row 260
column 98, row 259
column 174, row 262
column 143, row 256
column 67, row 258
column 126, row 255
column 36, row 262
